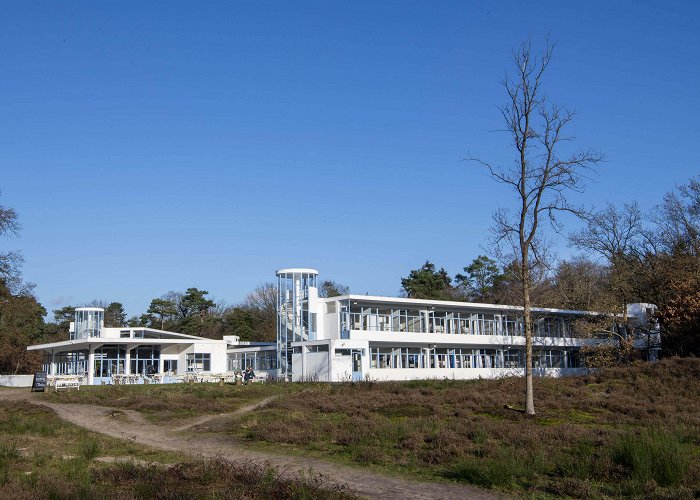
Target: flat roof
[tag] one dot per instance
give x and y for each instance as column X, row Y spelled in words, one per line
column 86, row 343
column 299, row 270
column 454, row 304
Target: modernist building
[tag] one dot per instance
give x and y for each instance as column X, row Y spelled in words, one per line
column 358, row 337
column 101, row 354
column 350, row 337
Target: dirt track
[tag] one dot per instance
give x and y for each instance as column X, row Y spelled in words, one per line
column 188, row 439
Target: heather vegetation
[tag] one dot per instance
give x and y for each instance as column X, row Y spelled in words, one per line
column 628, row 431
column 44, row 457
column 632, row 431
column 169, row 402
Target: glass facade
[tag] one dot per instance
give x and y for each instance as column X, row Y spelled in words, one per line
column 110, row 360
column 145, row 360
column 395, row 319
column 199, row 362
column 445, row 357
column 259, row 360
column 66, row 363
column 88, row 322
column 295, row 322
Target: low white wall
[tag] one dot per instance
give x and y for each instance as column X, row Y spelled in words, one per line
column 317, row 366
column 465, row 373
column 462, row 340
column 342, row 369
column 16, row 380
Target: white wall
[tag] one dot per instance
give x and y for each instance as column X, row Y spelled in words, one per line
column 329, row 319
column 312, row 366
column 465, row 373
column 217, row 350
column 16, row 380
column 341, row 366
column 446, row 340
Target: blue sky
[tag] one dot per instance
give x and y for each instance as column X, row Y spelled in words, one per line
column 156, row 146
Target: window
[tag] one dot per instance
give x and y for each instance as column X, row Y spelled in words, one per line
column 513, row 358
column 109, row 360
column 258, row 360
column 145, row 359
column 199, row 362
column 571, row 358
column 342, row 352
column 170, row 365
column 125, row 334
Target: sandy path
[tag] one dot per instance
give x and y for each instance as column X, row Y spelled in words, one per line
column 362, row 481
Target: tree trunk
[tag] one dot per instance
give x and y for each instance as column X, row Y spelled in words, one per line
column 527, row 319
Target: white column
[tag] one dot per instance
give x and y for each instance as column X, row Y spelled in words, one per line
column 91, row 365
column 127, row 361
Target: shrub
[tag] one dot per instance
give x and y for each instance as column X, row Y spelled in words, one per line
column 653, row 454
column 90, row 448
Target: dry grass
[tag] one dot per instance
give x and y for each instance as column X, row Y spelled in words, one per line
column 43, row 457
column 629, row 431
column 214, row 478
column 172, row 401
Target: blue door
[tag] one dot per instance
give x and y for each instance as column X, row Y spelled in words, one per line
column 357, row 364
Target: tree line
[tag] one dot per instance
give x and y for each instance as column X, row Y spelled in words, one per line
column 626, row 257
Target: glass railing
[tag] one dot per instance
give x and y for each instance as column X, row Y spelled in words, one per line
column 452, row 326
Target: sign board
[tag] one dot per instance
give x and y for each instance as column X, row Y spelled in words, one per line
column 39, row 383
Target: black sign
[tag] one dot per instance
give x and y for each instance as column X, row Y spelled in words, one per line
column 39, row 383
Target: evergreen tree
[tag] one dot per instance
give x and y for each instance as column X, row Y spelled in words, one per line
column 428, row 283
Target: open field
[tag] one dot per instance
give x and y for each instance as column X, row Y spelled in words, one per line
column 630, row 431
column 621, row 432
column 42, row 456
column 171, row 402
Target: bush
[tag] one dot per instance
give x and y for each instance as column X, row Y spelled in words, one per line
column 653, row 454
column 90, row 448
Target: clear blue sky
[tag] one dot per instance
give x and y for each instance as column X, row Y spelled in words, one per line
column 154, row 146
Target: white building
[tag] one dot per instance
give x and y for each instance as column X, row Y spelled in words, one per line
column 359, row 337
column 100, row 353
column 351, row 337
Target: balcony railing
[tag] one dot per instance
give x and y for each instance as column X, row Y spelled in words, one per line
column 411, row 323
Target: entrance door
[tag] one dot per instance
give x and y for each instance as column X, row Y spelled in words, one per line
column 356, row 364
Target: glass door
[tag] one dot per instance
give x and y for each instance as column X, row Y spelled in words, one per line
column 356, row 364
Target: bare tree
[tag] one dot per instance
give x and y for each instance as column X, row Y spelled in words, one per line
column 611, row 232
column 541, row 177
column 11, row 261
column 262, row 303
column 263, row 299
column 615, row 235
column 677, row 220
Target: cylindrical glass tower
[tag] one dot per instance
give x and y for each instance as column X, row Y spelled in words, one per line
column 88, row 322
column 295, row 322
